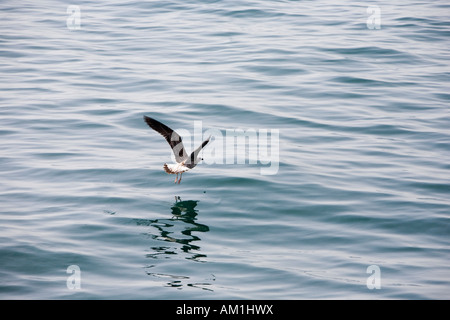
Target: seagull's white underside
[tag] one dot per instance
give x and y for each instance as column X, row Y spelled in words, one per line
column 175, row 168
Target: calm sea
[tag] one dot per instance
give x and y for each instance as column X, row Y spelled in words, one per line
column 339, row 187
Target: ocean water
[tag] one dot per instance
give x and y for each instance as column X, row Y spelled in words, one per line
column 350, row 201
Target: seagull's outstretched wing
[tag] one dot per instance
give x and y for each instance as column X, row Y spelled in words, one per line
column 171, row 137
column 192, row 162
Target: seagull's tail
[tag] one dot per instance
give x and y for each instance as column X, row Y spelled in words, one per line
column 167, row 169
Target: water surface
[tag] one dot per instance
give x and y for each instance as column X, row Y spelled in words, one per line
column 363, row 176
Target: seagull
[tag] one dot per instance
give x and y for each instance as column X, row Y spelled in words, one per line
column 184, row 163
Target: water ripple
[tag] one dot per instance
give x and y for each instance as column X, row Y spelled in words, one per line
column 363, row 174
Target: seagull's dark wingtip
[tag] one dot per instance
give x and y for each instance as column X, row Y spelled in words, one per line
column 148, row 120
column 206, row 141
column 158, row 126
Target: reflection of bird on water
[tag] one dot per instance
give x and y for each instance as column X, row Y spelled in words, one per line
column 177, row 236
column 185, row 210
column 184, row 206
column 184, row 217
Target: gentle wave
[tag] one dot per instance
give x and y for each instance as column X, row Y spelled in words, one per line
column 362, row 177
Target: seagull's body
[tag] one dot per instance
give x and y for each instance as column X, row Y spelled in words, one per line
column 183, row 161
column 175, row 168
